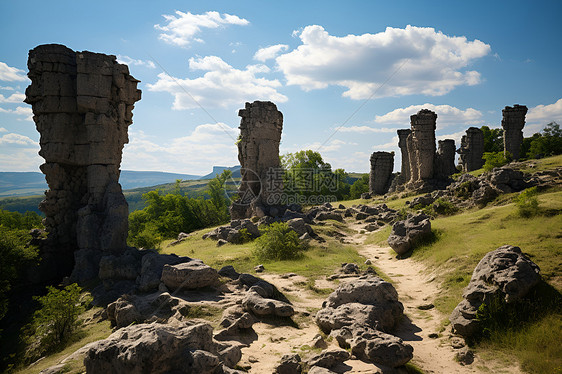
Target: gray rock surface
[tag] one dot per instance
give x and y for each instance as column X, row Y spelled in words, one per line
column 157, row 348
column 189, row 275
column 329, row 358
column 505, row 273
column 289, row 364
column 406, row 233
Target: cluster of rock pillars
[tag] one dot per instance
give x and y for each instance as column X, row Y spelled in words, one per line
column 82, row 104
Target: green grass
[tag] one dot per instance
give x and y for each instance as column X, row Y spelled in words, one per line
column 317, row 261
column 87, row 334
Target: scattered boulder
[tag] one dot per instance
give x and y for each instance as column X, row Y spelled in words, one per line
column 236, row 323
column 329, row 358
column 465, row 356
column 157, row 348
column 374, row 346
column 152, row 264
column 229, row 272
column 233, row 233
column 257, row 302
column 289, row 364
column 322, row 216
column 406, row 233
column 189, row 275
column 504, row 274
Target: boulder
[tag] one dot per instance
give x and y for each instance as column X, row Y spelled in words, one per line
column 289, row 364
column 322, row 216
column 329, row 358
column 299, row 226
column 504, row 274
column 256, row 302
column 329, row 319
column 151, row 269
column 189, row 275
column 229, row 272
column 374, row 346
column 406, row 233
column 157, row 348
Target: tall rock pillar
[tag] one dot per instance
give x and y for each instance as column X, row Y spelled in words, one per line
column 403, row 144
column 258, row 152
column 512, row 123
column 421, row 145
column 382, row 164
column 472, row 150
column 445, row 165
column 82, row 104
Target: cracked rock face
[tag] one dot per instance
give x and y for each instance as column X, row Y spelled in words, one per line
column 382, row 164
column 472, row 150
column 82, row 104
column 513, row 122
column 504, row 273
column 258, row 153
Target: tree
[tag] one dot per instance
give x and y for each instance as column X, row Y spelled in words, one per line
column 359, row 187
column 493, row 139
column 548, row 143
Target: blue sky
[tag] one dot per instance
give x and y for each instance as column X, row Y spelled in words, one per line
column 346, row 75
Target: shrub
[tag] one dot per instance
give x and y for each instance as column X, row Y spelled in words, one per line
column 278, row 242
column 495, row 160
column 527, row 203
column 440, row 207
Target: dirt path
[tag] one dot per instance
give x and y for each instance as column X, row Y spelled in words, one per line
column 416, row 288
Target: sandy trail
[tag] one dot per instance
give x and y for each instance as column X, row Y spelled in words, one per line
column 416, row 287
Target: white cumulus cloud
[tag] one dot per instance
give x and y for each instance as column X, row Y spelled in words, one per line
column 268, row 53
column 133, row 62
column 446, row 115
column 180, row 29
column 11, row 74
column 13, row 98
column 13, row 138
column 20, row 111
column 197, row 152
column 433, row 63
column 368, row 129
column 546, row 113
column 222, row 85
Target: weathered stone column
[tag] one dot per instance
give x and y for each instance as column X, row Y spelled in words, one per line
column 403, row 144
column 258, row 152
column 472, row 149
column 382, row 164
column 421, row 145
column 82, row 104
column 513, row 122
column 446, row 153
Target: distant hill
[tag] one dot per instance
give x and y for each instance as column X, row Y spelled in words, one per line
column 219, row 169
column 135, row 179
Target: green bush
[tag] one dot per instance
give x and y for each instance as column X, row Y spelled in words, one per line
column 440, row 207
column 495, row 160
column 57, row 319
column 527, row 202
column 278, row 242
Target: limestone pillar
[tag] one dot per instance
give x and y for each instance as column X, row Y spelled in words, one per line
column 382, row 164
column 258, row 152
column 472, row 150
column 445, row 159
column 512, row 123
column 403, row 144
column 82, row 104
column 421, row 145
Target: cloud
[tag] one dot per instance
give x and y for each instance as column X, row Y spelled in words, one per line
column 446, row 115
column 13, row 98
column 268, row 53
column 7, row 88
column 544, row 114
column 196, row 153
column 391, row 145
column 181, row 29
column 10, row 74
column 221, row 85
column 3, row 129
column 13, row 138
column 20, row 111
column 132, row 62
column 368, row 129
column 434, row 63
column 455, row 136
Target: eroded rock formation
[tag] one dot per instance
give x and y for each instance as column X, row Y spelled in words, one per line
column 403, row 144
column 258, row 153
column 512, row 123
column 472, row 150
column 82, row 104
column 382, row 164
column 445, row 159
column 421, row 145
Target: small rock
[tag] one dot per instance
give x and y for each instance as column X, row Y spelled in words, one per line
column 368, row 262
column 290, row 364
column 433, row 335
column 221, row 242
column 426, row 306
column 319, row 342
column 329, row 358
column 457, row 342
column 259, row 269
column 465, row 356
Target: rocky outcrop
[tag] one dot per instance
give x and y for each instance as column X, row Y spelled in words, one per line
column 157, row 348
column 403, row 145
column 405, row 234
column 289, row 364
column 472, row 150
column 258, row 153
column 445, row 159
column 359, row 314
column 421, row 145
column 513, row 122
column 189, row 275
column 237, row 232
column 382, row 164
column 503, row 275
column 82, row 104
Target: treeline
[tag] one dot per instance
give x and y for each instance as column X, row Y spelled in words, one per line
column 165, row 216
